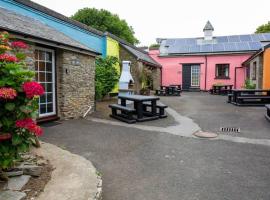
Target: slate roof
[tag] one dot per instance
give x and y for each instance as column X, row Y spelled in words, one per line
column 208, row 26
column 17, row 23
column 220, row 44
column 57, row 15
column 135, row 51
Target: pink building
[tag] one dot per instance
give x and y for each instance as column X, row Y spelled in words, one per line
column 198, row 63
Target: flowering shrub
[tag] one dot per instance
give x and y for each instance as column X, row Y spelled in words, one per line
column 18, row 102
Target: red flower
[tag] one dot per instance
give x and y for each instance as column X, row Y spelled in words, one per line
column 23, row 123
column 37, row 130
column 30, row 125
column 8, row 58
column 7, row 93
column 32, row 89
column 19, row 44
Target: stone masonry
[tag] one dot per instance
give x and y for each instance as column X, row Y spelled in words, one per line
column 75, row 81
column 138, row 66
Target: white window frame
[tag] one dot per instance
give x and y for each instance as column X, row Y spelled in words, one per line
column 53, row 82
column 199, row 77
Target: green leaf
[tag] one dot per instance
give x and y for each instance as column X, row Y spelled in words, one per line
column 16, row 139
column 10, row 106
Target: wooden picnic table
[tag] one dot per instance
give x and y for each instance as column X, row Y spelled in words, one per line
column 237, row 96
column 221, row 89
column 138, row 105
column 171, row 90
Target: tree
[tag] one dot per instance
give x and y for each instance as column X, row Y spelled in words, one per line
column 104, row 20
column 106, row 75
column 265, row 28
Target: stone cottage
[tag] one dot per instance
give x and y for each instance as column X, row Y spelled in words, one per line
column 65, row 67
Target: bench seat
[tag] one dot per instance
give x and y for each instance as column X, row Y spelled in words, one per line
column 253, row 97
column 160, row 107
column 125, row 115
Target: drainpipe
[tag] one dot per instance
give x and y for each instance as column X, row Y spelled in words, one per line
column 205, row 81
column 235, row 79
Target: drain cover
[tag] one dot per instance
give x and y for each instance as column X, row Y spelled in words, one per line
column 201, row 134
column 230, row 129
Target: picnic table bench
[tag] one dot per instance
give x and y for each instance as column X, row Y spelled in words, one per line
column 221, row 89
column 126, row 113
column 249, row 97
column 160, row 109
column 267, row 115
column 171, row 90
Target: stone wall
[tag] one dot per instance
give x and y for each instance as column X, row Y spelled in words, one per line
column 137, row 67
column 75, row 81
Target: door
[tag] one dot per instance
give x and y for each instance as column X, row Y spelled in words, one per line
column 191, row 77
column 195, row 76
column 45, row 75
column 186, row 78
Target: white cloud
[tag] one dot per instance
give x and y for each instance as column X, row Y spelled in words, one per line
column 175, row 18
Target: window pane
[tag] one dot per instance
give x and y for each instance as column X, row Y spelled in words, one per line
column 41, row 77
column 49, row 107
column 42, row 108
column 36, row 54
column 49, row 87
column 42, row 99
column 41, row 55
column 48, row 77
column 36, row 65
column 49, row 67
column 48, row 56
column 49, row 97
column 41, row 66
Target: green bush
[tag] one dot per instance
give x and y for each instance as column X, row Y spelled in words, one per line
column 249, row 84
column 18, row 102
column 106, row 76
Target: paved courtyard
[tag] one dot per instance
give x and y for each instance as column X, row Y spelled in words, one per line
column 140, row 163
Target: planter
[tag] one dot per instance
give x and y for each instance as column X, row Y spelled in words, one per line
column 5, row 136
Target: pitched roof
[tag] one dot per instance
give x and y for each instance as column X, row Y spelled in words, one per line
column 17, row 23
column 208, row 26
column 57, row 15
column 220, row 44
column 135, row 51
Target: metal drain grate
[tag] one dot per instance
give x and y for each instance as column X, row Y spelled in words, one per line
column 230, row 129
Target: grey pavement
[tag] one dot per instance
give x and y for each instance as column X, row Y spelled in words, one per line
column 140, row 164
column 211, row 112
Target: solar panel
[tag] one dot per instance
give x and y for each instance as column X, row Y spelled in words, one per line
column 218, row 47
column 245, row 38
column 242, row 46
column 255, row 45
column 191, row 41
column 234, row 38
column 222, row 39
column 266, row 36
column 206, row 48
column 194, row 49
column 230, row 47
column 257, row 37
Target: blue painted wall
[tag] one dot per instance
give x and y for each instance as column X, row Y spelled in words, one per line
column 89, row 39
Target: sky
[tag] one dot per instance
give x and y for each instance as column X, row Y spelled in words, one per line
column 153, row 19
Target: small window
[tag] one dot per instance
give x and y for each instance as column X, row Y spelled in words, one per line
column 222, row 71
column 254, row 71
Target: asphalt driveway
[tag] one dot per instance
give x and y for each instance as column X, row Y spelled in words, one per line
column 211, row 112
column 145, row 165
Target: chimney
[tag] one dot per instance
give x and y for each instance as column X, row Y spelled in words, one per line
column 208, row 31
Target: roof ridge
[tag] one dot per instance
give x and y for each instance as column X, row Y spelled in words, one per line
column 214, row 36
column 57, row 15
